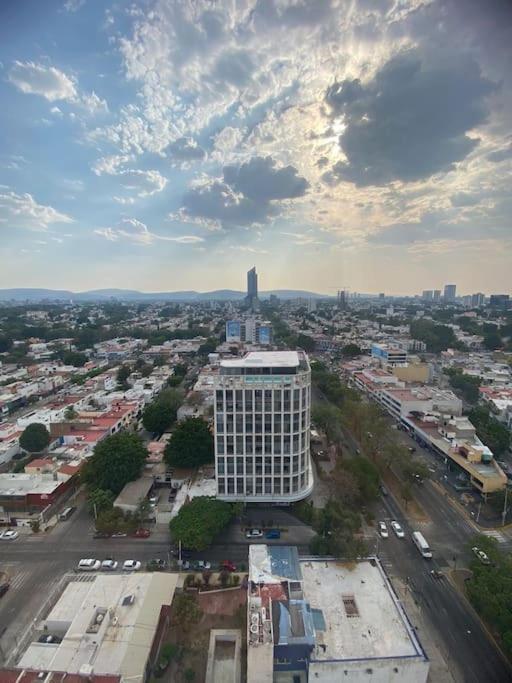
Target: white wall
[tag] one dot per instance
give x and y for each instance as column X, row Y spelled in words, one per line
column 382, row 671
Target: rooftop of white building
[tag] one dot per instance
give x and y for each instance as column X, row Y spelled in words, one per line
column 361, row 613
column 268, row 359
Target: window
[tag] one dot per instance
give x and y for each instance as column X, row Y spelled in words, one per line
column 277, row 401
column 248, row 466
column 240, row 484
column 229, row 424
column 221, row 483
column 229, row 445
column 239, row 444
column 239, row 465
column 231, row 466
column 249, row 448
column 220, row 445
column 268, row 400
column 277, row 445
column 220, row 465
column 248, row 400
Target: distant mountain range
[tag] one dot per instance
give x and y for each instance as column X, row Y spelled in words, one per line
column 33, row 295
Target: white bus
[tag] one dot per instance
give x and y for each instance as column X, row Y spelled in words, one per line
column 422, row 545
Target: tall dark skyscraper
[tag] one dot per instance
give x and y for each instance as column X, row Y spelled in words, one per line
column 252, row 283
column 252, row 289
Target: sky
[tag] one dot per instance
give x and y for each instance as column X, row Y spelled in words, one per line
column 166, row 145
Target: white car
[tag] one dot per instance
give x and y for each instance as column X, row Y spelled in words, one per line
column 254, row 533
column 204, row 564
column 397, row 529
column 483, row 557
column 89, row 565
column 131, row 566
column 9, row 535
column 383, row 530
column 109, row 565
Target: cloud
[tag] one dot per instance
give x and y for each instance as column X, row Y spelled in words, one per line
column 22, row 211
column 143, row 183
column 110, row 164
column 410, row 120
column 260, row 180
column 136, row 232
column 248, row 194
column 73, row 5
column 93, row 104
column 185, row 149
column 500, row 155
column 47, row 81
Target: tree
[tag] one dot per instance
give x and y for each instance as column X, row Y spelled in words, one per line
column 70, row 413
column 466, row 385
column 191, row 444
column 209, row 346
column 99, row 500
column 185, row 611
column 351, row 350
column 328, row 417
column 436, row 337
column 35, row 438
column 494, row 434
column 122, row 377
column 304, row 341
column 367, row 478
column 116, row 460
column 157, row 417
column 78, row 360
column 198, row 522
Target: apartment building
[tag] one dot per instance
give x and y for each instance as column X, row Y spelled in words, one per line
column 262, row 427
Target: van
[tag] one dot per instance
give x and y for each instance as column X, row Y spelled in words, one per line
column 66, row 514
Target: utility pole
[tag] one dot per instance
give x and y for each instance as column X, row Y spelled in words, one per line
column 504, row 507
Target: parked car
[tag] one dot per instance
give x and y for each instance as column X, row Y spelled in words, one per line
column 483, row 557
column 89, row 565
column 156, row 565
column 273, row 533
column 109, row 565
column 397, row 529
column 204, row 564
column 119, row 534
column 9, row 535
column 131, row 566
column 228, row 565
column 383, row 530
column 141, row 533
column 101, row 534
column 186, row 565
column 383, row 490
column 153, row 500
column 254, row 533
column 49, row 638
column 3, row 589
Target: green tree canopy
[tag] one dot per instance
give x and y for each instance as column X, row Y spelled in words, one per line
column 35, row 438
column 436, row 337
column 191, row 444
column 494, row 434
column 158, row 416
column 465, row 385
column 304, row 341
column 351, row 350
column 99, row 500
column 122, row 376
column 116, row 460
column 198, row 522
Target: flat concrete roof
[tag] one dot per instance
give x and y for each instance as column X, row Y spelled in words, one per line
column 134, row 491
column 265, row 359
column 119, row 642
column 362, row 616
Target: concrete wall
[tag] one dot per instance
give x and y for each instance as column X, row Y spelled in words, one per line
column 399, row 670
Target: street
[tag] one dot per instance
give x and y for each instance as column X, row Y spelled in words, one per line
column 455, row 627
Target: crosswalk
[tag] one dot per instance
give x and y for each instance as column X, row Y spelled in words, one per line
column 497, row 535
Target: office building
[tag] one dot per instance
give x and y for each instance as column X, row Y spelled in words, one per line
column 437, row 295
column 499, row 300
column 477, row 299
column 262, row 428
column 427, row 295
column 342, row 300
column 250, row 331
column 326, row 621
column 252, row 289
column 389, row 354
column 450, row 292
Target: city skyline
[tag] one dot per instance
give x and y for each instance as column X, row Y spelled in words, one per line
column 167, row 146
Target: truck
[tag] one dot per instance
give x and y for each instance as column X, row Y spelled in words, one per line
column 422, row 545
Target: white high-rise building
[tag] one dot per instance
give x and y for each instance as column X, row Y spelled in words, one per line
column 262, row 428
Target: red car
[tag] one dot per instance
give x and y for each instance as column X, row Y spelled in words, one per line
column 227, row 564
column 142, row 533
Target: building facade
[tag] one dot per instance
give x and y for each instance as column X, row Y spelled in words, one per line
column 262, row 428
column 450, row 292
column 250, row 331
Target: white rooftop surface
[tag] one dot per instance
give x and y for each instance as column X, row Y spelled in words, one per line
column 65, row 609
column 122, row 642
column 20, row 484
column 380, row 630
column 265, row 359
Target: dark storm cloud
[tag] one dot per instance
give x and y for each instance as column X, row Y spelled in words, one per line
column 186, row 149
column 411, row 120
column 249, row 194
column 260, row 180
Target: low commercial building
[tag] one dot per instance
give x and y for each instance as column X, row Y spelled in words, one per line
column 326, row 620
column 24, row 497
column 111, row 626
column 133, row 493
column 389, row 354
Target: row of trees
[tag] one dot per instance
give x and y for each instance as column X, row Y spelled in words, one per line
column 490, row 589
column 493, row 433
column 464, row 385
